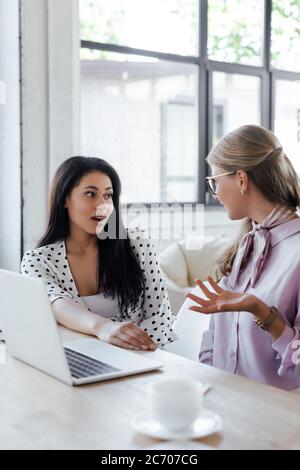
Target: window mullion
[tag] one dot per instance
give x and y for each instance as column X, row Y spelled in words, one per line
column 202, row 100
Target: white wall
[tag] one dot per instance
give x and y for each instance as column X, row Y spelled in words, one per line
column 35, row 117
column 10, row 184
column 64, row 81
column 50, row 98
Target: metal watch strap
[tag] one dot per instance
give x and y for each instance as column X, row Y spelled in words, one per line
column 269, row 320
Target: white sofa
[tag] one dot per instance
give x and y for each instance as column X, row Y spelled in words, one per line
column 189, row 327
column 183, row 261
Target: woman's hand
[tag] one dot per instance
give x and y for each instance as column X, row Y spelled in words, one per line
column 125, row 335
column 223, row 300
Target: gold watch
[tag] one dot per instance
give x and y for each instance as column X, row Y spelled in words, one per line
column 269, row 320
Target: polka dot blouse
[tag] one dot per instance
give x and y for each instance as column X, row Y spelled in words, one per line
column 153, row 314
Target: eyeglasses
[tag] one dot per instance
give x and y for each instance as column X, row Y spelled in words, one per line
column 212, row 183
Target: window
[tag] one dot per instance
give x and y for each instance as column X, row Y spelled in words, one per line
column 163, row 81
column 235, row 92
column 156, row 25
column 179, row 154
column 287, row 118
column 141, row 114
column 235, row 31
column 286, row 35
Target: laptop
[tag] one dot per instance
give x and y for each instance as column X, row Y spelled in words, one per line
column 32, row 336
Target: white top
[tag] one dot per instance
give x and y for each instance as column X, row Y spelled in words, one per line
column 107, row 307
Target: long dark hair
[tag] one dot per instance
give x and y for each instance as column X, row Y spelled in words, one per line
column 120, row 274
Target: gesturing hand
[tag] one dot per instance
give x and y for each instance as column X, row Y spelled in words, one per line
column 222, row 300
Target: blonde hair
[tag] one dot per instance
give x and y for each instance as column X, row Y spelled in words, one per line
column 258, row 152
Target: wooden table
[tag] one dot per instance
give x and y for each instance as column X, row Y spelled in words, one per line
column 39, row 412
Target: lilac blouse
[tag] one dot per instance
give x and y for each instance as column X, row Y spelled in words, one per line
column 235, row 343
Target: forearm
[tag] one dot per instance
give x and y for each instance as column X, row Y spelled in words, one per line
column 77, row 318
column 262, row 311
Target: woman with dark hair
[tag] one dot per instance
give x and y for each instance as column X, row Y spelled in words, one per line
column 101, row 278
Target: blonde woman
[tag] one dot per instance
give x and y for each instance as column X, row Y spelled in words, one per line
column 255, row 307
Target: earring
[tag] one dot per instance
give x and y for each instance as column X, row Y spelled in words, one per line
column 242, row 192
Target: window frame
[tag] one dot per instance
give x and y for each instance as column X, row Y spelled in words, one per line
column 206, row 67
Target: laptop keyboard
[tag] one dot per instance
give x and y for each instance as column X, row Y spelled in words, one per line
column 84, row 366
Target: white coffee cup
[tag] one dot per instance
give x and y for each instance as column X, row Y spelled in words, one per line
column 176, row 402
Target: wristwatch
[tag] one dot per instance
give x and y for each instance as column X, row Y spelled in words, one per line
column 269, row 320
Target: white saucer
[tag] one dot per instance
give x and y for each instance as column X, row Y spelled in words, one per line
column 207, row 423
